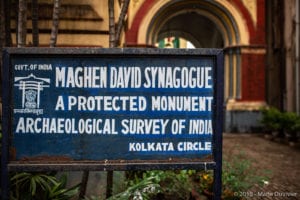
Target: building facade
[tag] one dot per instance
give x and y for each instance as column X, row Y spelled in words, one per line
column 238, row 26
column 243, row 28
column 282, row 63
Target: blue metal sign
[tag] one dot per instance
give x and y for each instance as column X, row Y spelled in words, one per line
column 112, row 109
column 114, row 104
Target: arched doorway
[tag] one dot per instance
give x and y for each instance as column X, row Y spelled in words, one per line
column 191, row 26
column 213, row 24
column 206, row 24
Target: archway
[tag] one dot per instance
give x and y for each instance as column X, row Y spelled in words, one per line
column 236, row 26
column 206, row 24
column 191, row 26
column 224, row 16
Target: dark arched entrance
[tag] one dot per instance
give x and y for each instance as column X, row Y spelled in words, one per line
column 197, row 29
column 233, row 25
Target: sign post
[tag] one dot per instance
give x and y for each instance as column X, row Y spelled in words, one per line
column 112, row 109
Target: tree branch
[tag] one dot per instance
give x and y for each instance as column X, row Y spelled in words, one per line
column 111, row 14
column 121, row 21
column 55, row 22
column 22, row 22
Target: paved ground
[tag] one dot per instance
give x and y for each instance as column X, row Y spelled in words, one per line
column 281, row 159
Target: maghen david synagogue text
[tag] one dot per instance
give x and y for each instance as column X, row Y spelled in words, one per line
column 122, row 107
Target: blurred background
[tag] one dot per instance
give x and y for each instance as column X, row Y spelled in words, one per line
column 260, row 39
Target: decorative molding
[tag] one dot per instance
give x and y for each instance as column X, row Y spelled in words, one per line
column 251, row 6
column 233, row 105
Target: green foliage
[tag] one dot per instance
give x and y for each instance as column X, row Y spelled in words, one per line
column 157, row 184
column 271, row 119
column 37, row 186
column 139, row 189
column 238, row 175
column 175, row 184
column 60, row 192
column 296, row 126
column 288, row 122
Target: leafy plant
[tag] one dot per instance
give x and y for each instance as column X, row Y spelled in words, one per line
column 59, row 191
column 271, row 119
column 285, row 124
column 175, row 185
column 290, row 123
column 158, row 185
column 237, row 176
column 296, row 126
column 39, row 186
column 289, row 119
column 142, row 189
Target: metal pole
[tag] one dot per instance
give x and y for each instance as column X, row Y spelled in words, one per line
column 84, row 182
column 297, row 71
column 218, row 133
column 5, row 130
column 109, row 183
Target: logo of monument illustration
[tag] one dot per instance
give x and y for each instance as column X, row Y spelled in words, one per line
column 31, row 88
